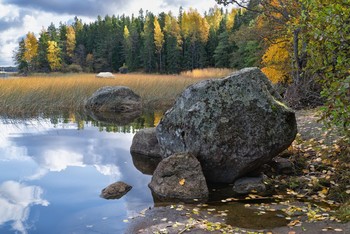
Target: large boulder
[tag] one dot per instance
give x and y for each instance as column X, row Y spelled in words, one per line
column 179, row 177
column 117, row 99
column 232, row 125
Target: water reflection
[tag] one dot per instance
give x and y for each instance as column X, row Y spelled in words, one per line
column 65, row 162
column 15, row 201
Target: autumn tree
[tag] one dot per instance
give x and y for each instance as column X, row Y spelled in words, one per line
column 195, row 30
column 70, row 42
column 53, row 55
column 31, row 50
column 158, row 42
column 127, row 47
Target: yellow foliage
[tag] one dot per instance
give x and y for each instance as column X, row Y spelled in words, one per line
column 195, row 26
column 276, row 61
column 158, row 36
column 207, row 73
column 70, row 41
column 53, row 55
column 230, row 19
column 31, row 47
column 275, row 75
column 214, row 18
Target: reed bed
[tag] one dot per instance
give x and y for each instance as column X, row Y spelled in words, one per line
column 23, row 96
column 207, row 73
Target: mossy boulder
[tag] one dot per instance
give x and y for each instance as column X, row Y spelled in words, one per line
column 232, row 125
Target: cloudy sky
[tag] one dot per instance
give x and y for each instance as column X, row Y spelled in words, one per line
column 17, row 17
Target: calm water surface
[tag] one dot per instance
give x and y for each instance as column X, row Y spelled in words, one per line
column 52, row 172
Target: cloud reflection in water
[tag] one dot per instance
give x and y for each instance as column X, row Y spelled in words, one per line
column 15, row 201
column 71, row 166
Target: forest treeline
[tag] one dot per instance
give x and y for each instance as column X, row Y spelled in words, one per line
column 149, row 43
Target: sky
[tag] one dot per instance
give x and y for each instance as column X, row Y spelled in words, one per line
column 18, row 17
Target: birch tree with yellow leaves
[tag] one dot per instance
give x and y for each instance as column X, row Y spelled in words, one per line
column 31, row 50
column 53, row 55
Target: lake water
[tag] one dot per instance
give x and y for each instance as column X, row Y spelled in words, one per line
column 52, row 171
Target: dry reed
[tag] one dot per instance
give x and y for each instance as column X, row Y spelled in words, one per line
column 47, row 94
column 207, row 73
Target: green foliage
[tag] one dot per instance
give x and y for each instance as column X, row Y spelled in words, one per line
column 327, row 26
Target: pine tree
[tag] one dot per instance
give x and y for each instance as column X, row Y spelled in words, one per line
column 43, row 63
column 19, row 59
column 223, row 51
column 148, row 56
column 173, row 44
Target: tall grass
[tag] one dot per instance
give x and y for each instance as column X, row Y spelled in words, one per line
column 48, row 94
column 207, row 73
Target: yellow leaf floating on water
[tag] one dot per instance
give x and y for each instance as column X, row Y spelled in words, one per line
column 182, row 182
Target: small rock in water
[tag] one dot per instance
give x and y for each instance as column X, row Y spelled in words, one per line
column 115, row 190
column 248, row 185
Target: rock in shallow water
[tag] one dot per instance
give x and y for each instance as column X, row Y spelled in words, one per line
column 248, row 185
column 145, row 142
column 115, row 190
column 233, row 125
column 118, row 99
column 179, row 177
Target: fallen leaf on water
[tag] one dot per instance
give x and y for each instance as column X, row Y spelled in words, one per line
column 182, row 182
column 294, row 223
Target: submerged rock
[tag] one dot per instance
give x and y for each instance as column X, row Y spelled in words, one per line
column 248, row 185
column 115, row 118
column 179, row 177
column 115, row 190
column 144, row 163
column 233, row 125
column 118, row 99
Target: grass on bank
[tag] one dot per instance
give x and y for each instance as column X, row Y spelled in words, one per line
column 57, row 92
column 207, row 73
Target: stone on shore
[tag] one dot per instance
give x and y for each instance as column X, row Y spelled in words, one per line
column 179, row 177
column 232, row 125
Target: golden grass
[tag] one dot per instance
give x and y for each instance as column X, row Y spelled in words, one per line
column 207, row 73
column 47, row 94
